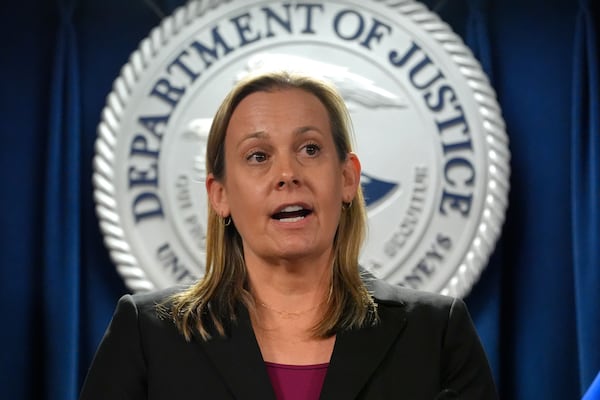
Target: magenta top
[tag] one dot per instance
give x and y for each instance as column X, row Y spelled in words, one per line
column 297, row 382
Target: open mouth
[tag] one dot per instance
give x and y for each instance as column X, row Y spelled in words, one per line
column 291, row 214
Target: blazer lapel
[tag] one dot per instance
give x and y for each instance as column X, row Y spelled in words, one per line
column 238, row 360
column 357, row 353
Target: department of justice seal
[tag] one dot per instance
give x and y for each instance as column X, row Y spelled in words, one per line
column 428, row 129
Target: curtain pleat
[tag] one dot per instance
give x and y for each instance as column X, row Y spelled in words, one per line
column 484, row 300
column 61, row 267
column 585, row 192
column 477, row 34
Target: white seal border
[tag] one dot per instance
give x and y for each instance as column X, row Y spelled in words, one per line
column 492, row 216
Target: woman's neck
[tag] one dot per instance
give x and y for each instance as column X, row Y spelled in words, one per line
column 289, row 289
column 290, row 300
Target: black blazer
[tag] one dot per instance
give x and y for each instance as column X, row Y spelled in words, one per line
column 425, row 347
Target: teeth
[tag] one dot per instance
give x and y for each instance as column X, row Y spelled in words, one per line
column 291, row 219
column 291, row 209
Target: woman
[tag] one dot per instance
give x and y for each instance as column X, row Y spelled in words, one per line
column 282, row 311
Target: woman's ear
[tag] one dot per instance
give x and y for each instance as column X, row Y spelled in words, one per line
column 351, row 177
column 217, row 195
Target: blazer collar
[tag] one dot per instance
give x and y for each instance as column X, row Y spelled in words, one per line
column 356, row 356
column 238, row 360
column 358, row 353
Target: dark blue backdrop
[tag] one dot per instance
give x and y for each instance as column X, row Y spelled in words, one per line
column 535, row 306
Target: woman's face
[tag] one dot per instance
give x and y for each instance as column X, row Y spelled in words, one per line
column 284, row 183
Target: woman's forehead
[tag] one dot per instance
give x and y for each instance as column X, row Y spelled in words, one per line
column 296, row 110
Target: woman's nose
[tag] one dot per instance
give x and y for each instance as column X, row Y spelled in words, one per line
column 284, row 181
column 288, row 174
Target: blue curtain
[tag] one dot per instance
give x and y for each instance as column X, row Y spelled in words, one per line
column 585, row 191
column 534, row 306
column 485, row 299
column 61, row 263
column 27, row 55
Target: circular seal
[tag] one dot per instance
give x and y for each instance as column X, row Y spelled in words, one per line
column 428, row 130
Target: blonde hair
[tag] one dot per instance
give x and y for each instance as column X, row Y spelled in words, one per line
column 210, row 304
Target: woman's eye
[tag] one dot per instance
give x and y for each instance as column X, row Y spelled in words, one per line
column 312, row 149
column 257, row 157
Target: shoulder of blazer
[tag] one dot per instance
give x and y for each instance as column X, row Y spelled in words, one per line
column 148, row 304
column 411, row 300
column 157, row 296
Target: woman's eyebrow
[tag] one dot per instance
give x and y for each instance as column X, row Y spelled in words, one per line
column 253, row 135
column 261, row 135
column 304, row 129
